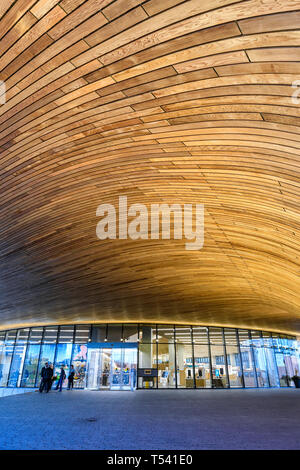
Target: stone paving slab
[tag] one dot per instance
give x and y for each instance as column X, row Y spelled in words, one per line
column 162, row 419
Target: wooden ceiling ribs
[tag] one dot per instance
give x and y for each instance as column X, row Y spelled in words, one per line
column 174, row 101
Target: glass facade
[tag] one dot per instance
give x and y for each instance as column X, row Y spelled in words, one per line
column 150, row 356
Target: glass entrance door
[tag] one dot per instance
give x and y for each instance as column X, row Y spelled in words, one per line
column 111, row 368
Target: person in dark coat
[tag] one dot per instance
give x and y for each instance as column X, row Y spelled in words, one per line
column 46, row 374
column 71, row 378
column 296, row 379
column 61, row 379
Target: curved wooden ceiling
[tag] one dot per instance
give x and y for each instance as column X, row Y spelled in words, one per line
column 164, row 101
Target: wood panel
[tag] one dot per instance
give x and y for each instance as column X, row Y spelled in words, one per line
column 175, row 101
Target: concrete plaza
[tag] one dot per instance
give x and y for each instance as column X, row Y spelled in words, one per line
column 160, row 419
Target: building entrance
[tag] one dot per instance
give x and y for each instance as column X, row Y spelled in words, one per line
column 111, row 368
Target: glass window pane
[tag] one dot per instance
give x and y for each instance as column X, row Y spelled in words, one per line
column 219, row 379
column 147, row 333
column 82, row 333
column 216, row 335
column 36, row 335
column 202, row 366
column 247, row 359
column 183, row 334
column 261, row 365
column 200, row 334
column 185, row 370
column 147, row 360
column 6, row 352
column 11, row 336
column 272, row 367
column 130, row 333
column 165, row 333
column 22, row 335
column 230, row 336
column 17, row 366
column 30, row 365
column 66, row 334
column 79, row 358
column 47, row 355
column 50, row 334
column 166, row 365
column 234, row 365
column 99, row 333
column 114, row 333
column 2, row 336
column 63, row 359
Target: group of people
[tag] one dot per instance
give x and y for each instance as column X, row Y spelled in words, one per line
column 48, row 378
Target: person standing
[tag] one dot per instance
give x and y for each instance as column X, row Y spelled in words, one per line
column 50, row 377
column 71, row 378
column 61, row 379
column 45, row 374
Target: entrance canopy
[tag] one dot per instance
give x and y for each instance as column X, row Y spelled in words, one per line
column 175, row 102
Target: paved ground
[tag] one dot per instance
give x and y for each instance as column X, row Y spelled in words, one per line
column 166, row 419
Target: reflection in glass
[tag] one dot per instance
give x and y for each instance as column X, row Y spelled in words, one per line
column 63, row 358
column 79, row 358
column 30, row 365
column 47, row 355
column 17, row 366
column 6, row 352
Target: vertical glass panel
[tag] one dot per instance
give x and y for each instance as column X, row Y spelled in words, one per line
column 247, row 359
column 216, row 335
column 166, row 365
column 183, row 334
column 63, row 358
column 114, row 333
column 94, row 368
column 22, row 335
column 219, row 379
column 82, row 333
column 272, row 366
column 147, row 360
column 147, row 333
column 230, row 336
column 202, row 366
column 79, row 358
column 66, row 334
column 200, row 334
column 30, row 365
column 2, row 336
column 130, row 333
column 129, row 368
column 50, row 334
column 185, row 370
column 17, row 366
column 234, row 365
column 261, row 366
column 36, row 335
column 6, row 352
column 11, row 336
column 165, row 333
column 99, row 333
column 47, row 355
column 256, row 338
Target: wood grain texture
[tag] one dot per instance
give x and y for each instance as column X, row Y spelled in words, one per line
column 175, row 101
